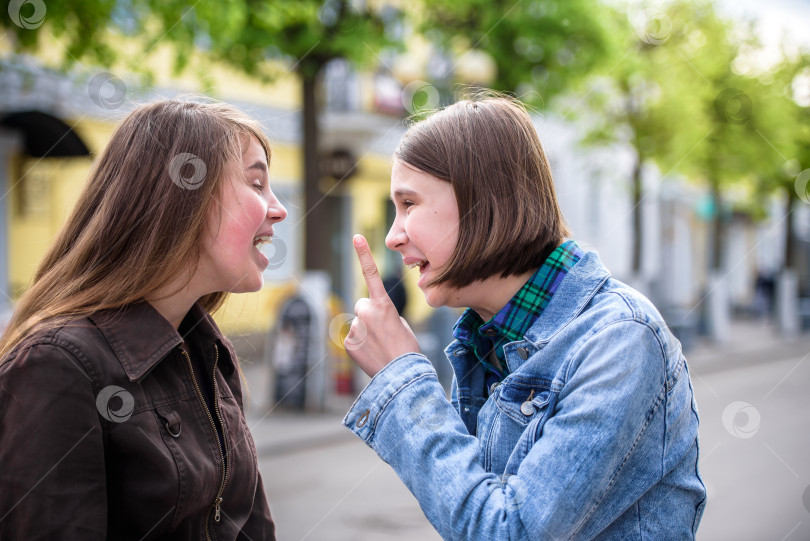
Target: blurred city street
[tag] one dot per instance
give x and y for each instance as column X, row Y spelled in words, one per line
column 323, row 483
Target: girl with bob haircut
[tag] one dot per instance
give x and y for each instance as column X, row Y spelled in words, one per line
column 121, row 413
column 572, row 414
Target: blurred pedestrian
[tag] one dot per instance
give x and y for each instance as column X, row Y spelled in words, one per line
column 572, row 414
column 764, row 292
column 395, row 288
column 121, row 409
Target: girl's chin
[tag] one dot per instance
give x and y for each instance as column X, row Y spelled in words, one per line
column 251, row 285
column 435, row 296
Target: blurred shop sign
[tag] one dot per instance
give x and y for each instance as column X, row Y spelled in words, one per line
column 339, row 164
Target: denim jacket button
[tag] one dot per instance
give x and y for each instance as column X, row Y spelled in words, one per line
column 527, row 408
column 493, row 387
column 523, row 353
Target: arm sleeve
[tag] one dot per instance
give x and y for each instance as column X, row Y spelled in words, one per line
column 260, row 524
column 51, row 449
column 587, row 451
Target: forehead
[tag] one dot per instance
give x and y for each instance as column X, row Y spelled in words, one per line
column 252, row 151
column 407, row 180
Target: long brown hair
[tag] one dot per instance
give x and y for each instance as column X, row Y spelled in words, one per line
column 138, row 222
column 487, row 148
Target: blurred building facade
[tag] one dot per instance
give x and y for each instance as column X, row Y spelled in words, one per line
column 53, row 123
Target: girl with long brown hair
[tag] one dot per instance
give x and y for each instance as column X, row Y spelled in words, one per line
column 121, row 413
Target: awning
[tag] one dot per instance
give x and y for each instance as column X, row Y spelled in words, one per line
column 45, row 135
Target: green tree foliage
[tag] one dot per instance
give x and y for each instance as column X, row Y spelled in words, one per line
column 681, row 87
column 782, row 97
column 541, row 47
column 748, row 118
column 648, row 98
column 242, row 33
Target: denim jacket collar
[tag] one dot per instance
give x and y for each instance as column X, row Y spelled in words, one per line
column 574, row 293
column 580, row 284
column 140, row 337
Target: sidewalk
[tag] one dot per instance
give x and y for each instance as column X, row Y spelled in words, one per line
column 750, row 342
column 282, row 432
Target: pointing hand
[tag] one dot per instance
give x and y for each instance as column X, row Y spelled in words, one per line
column 377, row 335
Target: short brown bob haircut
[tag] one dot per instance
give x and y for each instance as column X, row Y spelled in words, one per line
column 488, row 149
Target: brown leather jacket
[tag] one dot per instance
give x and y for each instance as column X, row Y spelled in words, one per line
column 105, row 434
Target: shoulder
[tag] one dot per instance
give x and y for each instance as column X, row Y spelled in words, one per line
column 621, row 323
column 617, row 302
column 61, row 349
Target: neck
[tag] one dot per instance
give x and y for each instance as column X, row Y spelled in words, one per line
column 489, row 296
column 173, row 303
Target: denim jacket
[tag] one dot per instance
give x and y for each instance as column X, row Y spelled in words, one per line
column 593, row 435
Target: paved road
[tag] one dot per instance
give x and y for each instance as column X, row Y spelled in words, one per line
column 755, row 439
column 341, row 492
column 323, row 484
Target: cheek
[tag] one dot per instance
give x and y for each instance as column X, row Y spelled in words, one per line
column 243, row 223
column 445, row 238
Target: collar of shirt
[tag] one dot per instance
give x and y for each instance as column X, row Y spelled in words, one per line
column 518, row 315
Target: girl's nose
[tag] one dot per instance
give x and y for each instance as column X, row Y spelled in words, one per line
column 276, row 212
column 395, row 238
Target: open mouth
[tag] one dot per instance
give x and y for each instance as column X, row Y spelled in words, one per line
column 421, row 264
column 262, row 240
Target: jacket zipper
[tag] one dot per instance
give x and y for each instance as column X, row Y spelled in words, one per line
column 216, row 505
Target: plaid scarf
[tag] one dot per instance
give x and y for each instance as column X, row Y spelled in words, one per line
column 514, row 319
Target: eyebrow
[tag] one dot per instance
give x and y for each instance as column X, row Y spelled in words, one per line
column 261, row 166
column 402, row 192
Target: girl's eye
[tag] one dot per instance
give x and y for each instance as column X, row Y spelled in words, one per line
column 259, row 187
column 407, row 203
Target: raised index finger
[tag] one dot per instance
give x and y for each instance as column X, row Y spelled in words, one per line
column 376, row 290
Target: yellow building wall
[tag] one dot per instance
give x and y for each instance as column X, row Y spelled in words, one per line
column 39, row 203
